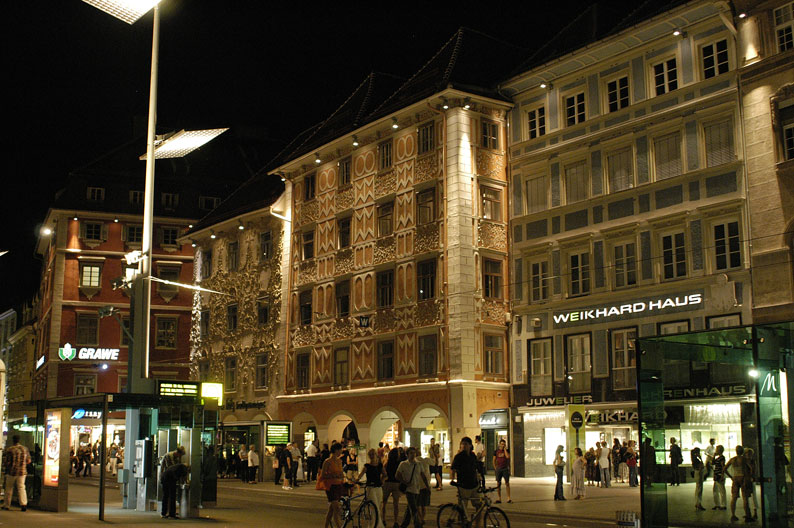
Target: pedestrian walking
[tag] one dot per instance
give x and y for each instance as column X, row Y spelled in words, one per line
column 391, row 488
column 604, row 463
column 718, row 466
column 501, row 464
column 465, row 468
column 631, row 462
column 577, row 474
column 436, row 463
column 331, row 480
column 15, row 467
column 85, row 460
column 739, row 476
column 412, row 479
column 479, row 451
column 590, row 471
column 375, row 472
column 559, row 470
column 169, row 479
column 424, row 492
column 113, row 461
column 312, row 460
column 253, row 464
column 699, row 474
column 676, row 458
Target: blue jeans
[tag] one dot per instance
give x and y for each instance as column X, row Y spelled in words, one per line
column 605, row 477
column 632, row 476
column 558, row 490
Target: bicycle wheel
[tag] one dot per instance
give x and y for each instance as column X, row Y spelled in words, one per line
column 367, row 516
column 496, row 518
column 450, row 516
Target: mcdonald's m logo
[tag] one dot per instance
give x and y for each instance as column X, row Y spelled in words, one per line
column 769, row 384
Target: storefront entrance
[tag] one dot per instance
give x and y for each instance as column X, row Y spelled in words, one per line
column 738, row 398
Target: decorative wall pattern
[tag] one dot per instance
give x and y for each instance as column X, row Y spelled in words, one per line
column 492, row 235
column 491, row 164
column 385, row 250
column 429, row 313
column 427, row 238
column 343, row 261
column 493, row 311
column 344, row 199
column 309, row 212
column 385, row 184
column 427, row 168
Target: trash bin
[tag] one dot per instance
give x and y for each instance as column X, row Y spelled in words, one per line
column 627, row 518
column 184, row 501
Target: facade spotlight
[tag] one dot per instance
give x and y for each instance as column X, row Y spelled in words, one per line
column 467, row 103
column 445, row 103
column 75, row 219
column 355, row 143
column 394, row 123
column 116, row 220
column 190, row 226
column 283, row 179
column 104, row 366
column 46, row 231
column 192, row 243
column 742, row 15
column 678, row 33
column 240, row 225
column 212, row 235
column 317, row 158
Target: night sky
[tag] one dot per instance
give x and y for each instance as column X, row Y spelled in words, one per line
column 77, row 78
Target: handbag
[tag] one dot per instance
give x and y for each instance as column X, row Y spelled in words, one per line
column 403, row 485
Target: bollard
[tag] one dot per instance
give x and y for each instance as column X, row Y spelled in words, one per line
column 627, row 518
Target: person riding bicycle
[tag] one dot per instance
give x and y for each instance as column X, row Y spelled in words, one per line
column 466, row 468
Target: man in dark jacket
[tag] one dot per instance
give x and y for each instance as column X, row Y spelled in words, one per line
column 676, row 458
column 171, row 476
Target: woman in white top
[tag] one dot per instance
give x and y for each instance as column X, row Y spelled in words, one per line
column 253, row 464
column 605, row 463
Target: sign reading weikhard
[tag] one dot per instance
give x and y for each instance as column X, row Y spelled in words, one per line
column 640, row 308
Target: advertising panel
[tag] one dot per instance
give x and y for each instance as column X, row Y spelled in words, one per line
column 278, row 433
column 575, row 415
column 52, row 451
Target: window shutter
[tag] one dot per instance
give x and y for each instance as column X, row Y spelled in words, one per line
column 719, row 143
column 519, row 278
column 559, row 358
column 518, row 376
column 600, row 354
column 104, row 232
column 124, row 233
column 82, row 230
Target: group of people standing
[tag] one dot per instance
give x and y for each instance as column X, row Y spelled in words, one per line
column 597, row 467
column 242, row 464
column 88, row 455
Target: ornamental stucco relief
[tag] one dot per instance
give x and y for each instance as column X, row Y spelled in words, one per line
column 344, row 199
column 427, row 238
column 385, row 183
column 385, row 250
column 427, row 168
column 309, row 212
column 490, row 164
column 492, row 235
column 493, row 311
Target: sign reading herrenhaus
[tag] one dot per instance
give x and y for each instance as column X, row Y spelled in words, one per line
column 648, row 306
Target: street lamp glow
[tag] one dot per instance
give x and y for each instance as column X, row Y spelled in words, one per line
column 46, row 231
column 128, row 11
column 184, row 142
column 753, row 373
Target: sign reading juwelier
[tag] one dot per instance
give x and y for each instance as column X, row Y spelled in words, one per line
column 640, row 308
column 69, row 353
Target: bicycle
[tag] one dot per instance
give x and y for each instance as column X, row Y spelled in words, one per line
column 451, row 515
column 366, row 516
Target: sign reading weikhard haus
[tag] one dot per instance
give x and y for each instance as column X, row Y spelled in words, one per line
column 644, row 307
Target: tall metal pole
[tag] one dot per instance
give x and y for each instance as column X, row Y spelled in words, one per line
column 103, row 454
column 143, row 326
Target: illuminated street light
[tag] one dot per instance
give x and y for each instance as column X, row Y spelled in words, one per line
column 128, row 11
column 184, row 142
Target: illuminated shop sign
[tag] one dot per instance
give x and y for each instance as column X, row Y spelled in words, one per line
column 178, row 388
column 82, row 413
column 712, row 391
column 277, row 433
column 610, row 416
column 553, row 401
column 630, row 310
column 68, row 353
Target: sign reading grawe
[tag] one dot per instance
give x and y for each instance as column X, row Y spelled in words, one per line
column 67, row 353
column 640, row 308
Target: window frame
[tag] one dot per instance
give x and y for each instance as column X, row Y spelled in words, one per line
column 169, row 200
column 426, row 199
column 575, row 164
column 426, row 138
column 784, row 25
column 307, row 245
column 491, row 206
column 341, row 243
column 305, row 309
column 206, row 263
column 384, row 287
column 385, row 212
column 265, row 245
column 94, row 226
column 665, row 73
column 586, row 371
column 81, row 317
column 262, row 308
column 261, row 380
column 90, row 264
column 233, row 256
column 531, row 360
column 384, row 358
column 493, row 356
column 426, row 279
column 612, row 154
column 492, row 283
column 208, row 203
column 536, row 114
column 136, row 197
column 168, row 240
column 584, row 270
column 341, row 370
column 167, row 269
column 710, row 320
column 628, row 267
column 129, row 229
column 787, row 131
column 95, row 194
column 543, row 280
column 77, row 386
column 232, row 317
column 204, row 323
column 489, row 134
column 579, row 115
column 422, row 353
column 629, row 345
column 345, row 172
column 303, row 367
column 717, row 65
column 157, row 331
column 675, row 253
column 708, row 153
column 655, row 140
column 230, row 374
column 725, row 223
column 126, row 321
column 340, row 299
column 620, row 101
column 385, row 155
column 309, row 187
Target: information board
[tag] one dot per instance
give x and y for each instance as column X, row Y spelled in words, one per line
column 52, row 451
column 178, row 388
column 278, row 433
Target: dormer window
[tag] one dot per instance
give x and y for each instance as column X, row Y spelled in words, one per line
column 170, row 200
column 96, row 194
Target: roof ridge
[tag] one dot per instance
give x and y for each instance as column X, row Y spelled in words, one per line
column 454, row 58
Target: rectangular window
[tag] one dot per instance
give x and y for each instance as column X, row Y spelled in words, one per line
column 580, row 273
column 340, row 366
column 134, row 234
column 308, row 245
column 491, row 203
column 122, row 383
column 426, row 280
column 231, row 317
column 426, row 138
column 87, row 329
column 579, row 377
column 624, row 359
column 715, row 59
column 206, row 264
column 784, row 26
column 667, row 156
column 344, row 172
column 308, row 187
column 537, row 194
column 265, row 245
column 204, row 370
column 428, row 353
column 727, row 246
column 788, row 141
column 204, row 324
column 620, row 167
column 169, row 200
column 208, row 203
column 125, row 325
column 302, row 362
column 136, row 197
column 426, row 206
column 385, row 281
column 92, row 231
column 724, row 321
column 262, row 312
column 665, row 76
column 84, row 384
column 90, row 275
column 577, row 182
column 540, row 365
column 386, row 360
column 261, row 371
column 305, row 312
column 233, row 256
column 674, row 256
column 384, row 155
column 96, row 194
column 230, row 375
column 343, row 226
column 574, row 109
column 492, row 279
column 171, row 274
column 343, row 299
column 385, row 219
column 719, row 143
column 489, row 135
column 539, row 280
column 625, row 264
column 166, row 332
column 618, row 94
column 169, row 235
column 536, row 120
column 493, row 348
